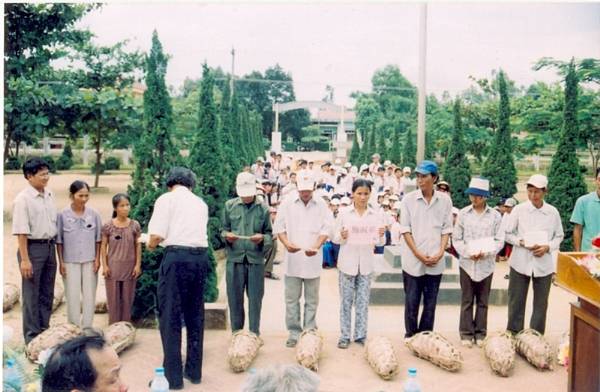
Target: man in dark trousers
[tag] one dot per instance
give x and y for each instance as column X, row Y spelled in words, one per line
column 179, row 223
column 34, row 224
column 247, row 230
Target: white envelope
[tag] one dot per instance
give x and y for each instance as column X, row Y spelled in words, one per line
column 481, row 245
column 538, row 237
column 144, row 238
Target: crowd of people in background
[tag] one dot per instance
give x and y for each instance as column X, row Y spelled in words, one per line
column 324, row 216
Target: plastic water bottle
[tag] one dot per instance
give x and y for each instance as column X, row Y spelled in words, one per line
column 160, row 383
column 12, row 376
column 411, row 384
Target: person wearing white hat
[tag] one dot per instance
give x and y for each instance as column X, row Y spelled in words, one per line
column 535, row 231
column 291, row 189
column 505, row 210
column 395, row 225
column 303, row 224
column 389, row 180
column 477, row 238
column 364, row 172
column 375, row 163
column 347, row 165
column 407, row 184
column 248, row 234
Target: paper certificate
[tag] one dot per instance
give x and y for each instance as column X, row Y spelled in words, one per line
column 484, row 245
column 538, row 237
column 363, row 234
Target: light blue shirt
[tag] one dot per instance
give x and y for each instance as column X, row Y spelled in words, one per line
column 79, row 234
column 587, row 214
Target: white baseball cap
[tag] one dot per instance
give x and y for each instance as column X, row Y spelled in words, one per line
column 406, row 170
column 305, row 181
column 345, row 200
column 335, row 202
column 538, row 180
column 397, row 205
column 363, row 167
column 347, row 165
column 245, row 184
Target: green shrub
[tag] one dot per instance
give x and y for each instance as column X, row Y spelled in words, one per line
column 112, row 163
column 51, row 164
column 102, row 168
column 13, row 163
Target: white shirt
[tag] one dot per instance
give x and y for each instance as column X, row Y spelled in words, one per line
column 524, row 218
column 356, row 259
column 404, row 182
column 427, row 223
column 471, row 225
column 303, row 224
column 180, row 217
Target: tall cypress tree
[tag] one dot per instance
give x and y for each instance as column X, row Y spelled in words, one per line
column 372, row 146
column 395, row 152
column 364, row 150
column 409, row 155
column 355, row 151
column 499, row 166
column 565, row 181
column 206, row 160
column 154, row 155
column 457, row 171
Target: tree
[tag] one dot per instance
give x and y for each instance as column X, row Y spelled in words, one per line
column 382, row 148
column 499, row 167
column 457, row 171
column 106, row 105
column 66, row 158
column 231, row 164
column 35, row 35
column 409, row 155
column 355, row 151
column 565, row 181
column 395, row 151
column 206, row 157
column 154, row 155
column 206, row 160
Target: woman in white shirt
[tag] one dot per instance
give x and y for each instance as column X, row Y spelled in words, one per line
column 358, row 229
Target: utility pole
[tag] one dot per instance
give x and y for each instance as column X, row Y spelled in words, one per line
column 232, row 85
column 422, row 80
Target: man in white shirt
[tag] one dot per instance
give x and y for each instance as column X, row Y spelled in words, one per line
column 303, row 224
column 535, row 231
column 179, row 223
column 426, row 225
column 477, row 238
column 375, row 163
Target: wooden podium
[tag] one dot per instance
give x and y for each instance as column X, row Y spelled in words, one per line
column 584, row 347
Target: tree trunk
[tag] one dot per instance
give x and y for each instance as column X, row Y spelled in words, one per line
column 17, row 151
column 98, row 157
column 7, row 143
column 595, row 156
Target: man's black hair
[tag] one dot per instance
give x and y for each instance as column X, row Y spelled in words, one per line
column 181, row 176
column 70, row 367
column 34, row 165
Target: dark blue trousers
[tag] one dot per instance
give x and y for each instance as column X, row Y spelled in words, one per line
column 415, row 288
column 181, row 292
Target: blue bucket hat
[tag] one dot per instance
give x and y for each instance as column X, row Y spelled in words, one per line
column 427, row 167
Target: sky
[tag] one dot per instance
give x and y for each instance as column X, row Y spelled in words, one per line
column 343, row 44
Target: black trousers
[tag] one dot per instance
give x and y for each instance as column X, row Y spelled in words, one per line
column 478, row 294
column 415, row 287
column 518, row 286
column 181, row 280
column 38, row 292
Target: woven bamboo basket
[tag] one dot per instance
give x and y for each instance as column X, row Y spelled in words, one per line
column 534, row 347
column 500, row 352
column 51, row 337
column 242, row 350
column 120, row 335
column 436, row 349
column 308, row 349
column 11, row 296
column 380, row 354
